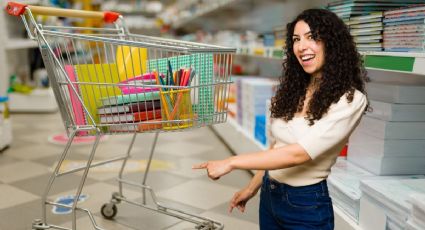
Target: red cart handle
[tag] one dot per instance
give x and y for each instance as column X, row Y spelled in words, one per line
column 17, row 9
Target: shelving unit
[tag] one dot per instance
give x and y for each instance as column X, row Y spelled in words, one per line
column 185, row 20
column 14, row 48
column 395, row 61
column 232, row 14
column 21, row 43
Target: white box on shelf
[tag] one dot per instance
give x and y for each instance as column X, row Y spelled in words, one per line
column 371, row 215
column 396, row 92
column 389, row 165
column 39, row 100
column 389, row 198
column 344, row 186
column 364, row 144
column 392, row 130
column 396, row 112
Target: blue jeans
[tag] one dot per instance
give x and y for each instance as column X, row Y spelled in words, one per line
column 295, row 208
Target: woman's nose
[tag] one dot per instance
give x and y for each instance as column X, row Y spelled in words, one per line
column 302, row 45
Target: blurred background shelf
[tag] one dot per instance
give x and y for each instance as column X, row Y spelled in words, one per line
column 20, row 43
column 38, row 101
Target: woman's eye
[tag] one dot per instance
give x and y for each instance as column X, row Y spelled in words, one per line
column 310, row 37
column 295, row 39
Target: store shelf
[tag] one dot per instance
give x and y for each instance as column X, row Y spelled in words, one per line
column 137, row 12
column 273, row 53
column 404, row 62
column 398, row 62
column 201, row 11
column 236, row 138
column 39, row 100
column 344, row 222
column 20, row 43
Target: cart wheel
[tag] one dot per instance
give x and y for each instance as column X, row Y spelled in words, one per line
column 109, row 211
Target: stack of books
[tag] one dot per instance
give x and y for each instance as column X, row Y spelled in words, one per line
column 367, row 31
column 131, row 112
column 385, row 203
column 365, row 17
column 417, row 214
column 351, row 8
column 404, row 29
column 390, row 139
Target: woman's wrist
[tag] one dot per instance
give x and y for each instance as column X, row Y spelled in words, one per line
column 252, row 189
column 232, row 162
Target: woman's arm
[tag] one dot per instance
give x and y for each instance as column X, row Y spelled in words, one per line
column 277, row 158
column 241, row 198
column 256, row 182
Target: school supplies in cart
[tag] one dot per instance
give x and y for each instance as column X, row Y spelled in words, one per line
column 114, row 82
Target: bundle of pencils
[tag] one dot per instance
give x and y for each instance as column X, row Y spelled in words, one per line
column 172, row 97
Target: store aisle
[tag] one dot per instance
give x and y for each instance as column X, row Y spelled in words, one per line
column 26, row 166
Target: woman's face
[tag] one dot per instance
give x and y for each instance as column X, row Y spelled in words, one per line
column 309, row 52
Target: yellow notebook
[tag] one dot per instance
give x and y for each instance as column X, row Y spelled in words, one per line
column 92, row 93
column 131, row 61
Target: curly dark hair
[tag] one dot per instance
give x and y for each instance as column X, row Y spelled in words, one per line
column 343, row 71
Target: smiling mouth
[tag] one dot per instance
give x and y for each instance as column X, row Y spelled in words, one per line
column 307, row 57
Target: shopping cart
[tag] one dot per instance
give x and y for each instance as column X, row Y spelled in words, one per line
column 108, row 81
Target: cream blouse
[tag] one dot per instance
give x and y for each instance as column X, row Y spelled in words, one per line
column 323, row 141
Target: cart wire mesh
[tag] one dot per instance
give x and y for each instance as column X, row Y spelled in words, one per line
column 121, row 82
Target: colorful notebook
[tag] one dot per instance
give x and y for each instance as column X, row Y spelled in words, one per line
column 131, row 117
column 91, row 74
column 131, row 61
column 77, row 107
column 129, row 98
column 130, row 108
column 136, row 127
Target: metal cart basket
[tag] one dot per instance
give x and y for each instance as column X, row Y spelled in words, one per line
column 108, row 81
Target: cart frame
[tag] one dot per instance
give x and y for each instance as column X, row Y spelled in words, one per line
column 58, row 57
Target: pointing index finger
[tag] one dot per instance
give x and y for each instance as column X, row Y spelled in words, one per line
column 200, row 166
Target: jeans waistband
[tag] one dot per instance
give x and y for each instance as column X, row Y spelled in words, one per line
column 321, row 187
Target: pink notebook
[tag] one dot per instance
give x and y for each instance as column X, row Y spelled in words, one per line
column 77, row 107
column 143, row 80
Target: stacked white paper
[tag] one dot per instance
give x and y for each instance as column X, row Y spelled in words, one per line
column 254, row 95
column 396, row 112
column 386, row 156
column 392, row 197
column 239, row 96
column 344, row 186
column 417, row 215
column 390, row 139
column 399, row 93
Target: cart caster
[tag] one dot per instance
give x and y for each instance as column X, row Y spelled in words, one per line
column 38, row 225
column 109, row 211
column 205, row 226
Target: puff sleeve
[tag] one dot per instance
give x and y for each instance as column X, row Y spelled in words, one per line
column 335, row 126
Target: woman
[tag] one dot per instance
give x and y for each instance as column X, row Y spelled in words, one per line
column 320, row 101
